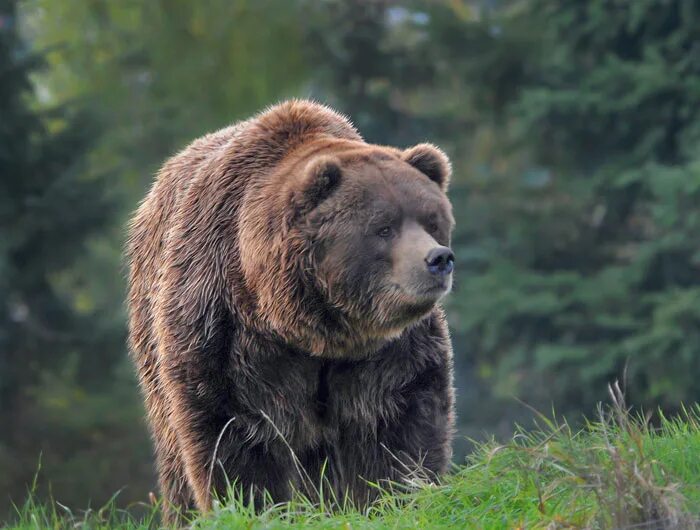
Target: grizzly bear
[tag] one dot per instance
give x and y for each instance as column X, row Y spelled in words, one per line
column 284, row 289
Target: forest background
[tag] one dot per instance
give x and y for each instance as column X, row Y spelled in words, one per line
column 573, row 127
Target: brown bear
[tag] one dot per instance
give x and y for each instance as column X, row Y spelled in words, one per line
column 285, row 279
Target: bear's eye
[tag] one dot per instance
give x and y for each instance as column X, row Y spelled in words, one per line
column 433, row 227
column 385, row 231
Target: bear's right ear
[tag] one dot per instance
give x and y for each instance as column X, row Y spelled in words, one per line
column 321, row 176
column 431, row 161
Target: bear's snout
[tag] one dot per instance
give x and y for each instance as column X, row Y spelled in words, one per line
column 440, row 261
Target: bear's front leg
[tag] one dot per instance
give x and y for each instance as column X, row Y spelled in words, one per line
column 409, row 440
column 197, row 422
column 222, row 445
column 420, row 438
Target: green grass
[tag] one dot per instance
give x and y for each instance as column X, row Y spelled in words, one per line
column 614, row 473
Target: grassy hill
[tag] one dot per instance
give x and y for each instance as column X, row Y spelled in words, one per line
column 615, row 473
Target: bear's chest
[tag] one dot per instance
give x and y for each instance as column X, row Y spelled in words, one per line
column 308, row 401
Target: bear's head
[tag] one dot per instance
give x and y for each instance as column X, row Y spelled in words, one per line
column 346, row 244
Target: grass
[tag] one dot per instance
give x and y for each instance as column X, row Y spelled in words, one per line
column 617, row 472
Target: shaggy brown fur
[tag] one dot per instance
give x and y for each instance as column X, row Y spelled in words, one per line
column 281, row 315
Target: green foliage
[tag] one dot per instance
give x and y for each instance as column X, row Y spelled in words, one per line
column 584, row 260
column 616, row 473
column 161, row 73
column 51, row 206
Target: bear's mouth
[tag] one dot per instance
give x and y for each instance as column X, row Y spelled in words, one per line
column 410, row 303
column 436, row 288
column 424, row 292
column 421, row 300
column 442, row 286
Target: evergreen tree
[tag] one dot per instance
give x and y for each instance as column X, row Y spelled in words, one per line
column 585, row 262
column 49, row 207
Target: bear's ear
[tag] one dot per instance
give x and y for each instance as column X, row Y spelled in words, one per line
column 321, row 176
column 431, row 161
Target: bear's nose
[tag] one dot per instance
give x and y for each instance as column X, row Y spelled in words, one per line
column 440, row 261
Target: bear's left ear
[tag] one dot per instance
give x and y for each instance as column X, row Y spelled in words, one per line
column 321, row 177
column 431, row 161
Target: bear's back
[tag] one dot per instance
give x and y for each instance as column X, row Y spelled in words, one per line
column 149, row 228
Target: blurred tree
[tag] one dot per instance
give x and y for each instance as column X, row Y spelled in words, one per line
column 366, row 68
column 54, row 372
column 161, row 73
column 579, row 255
